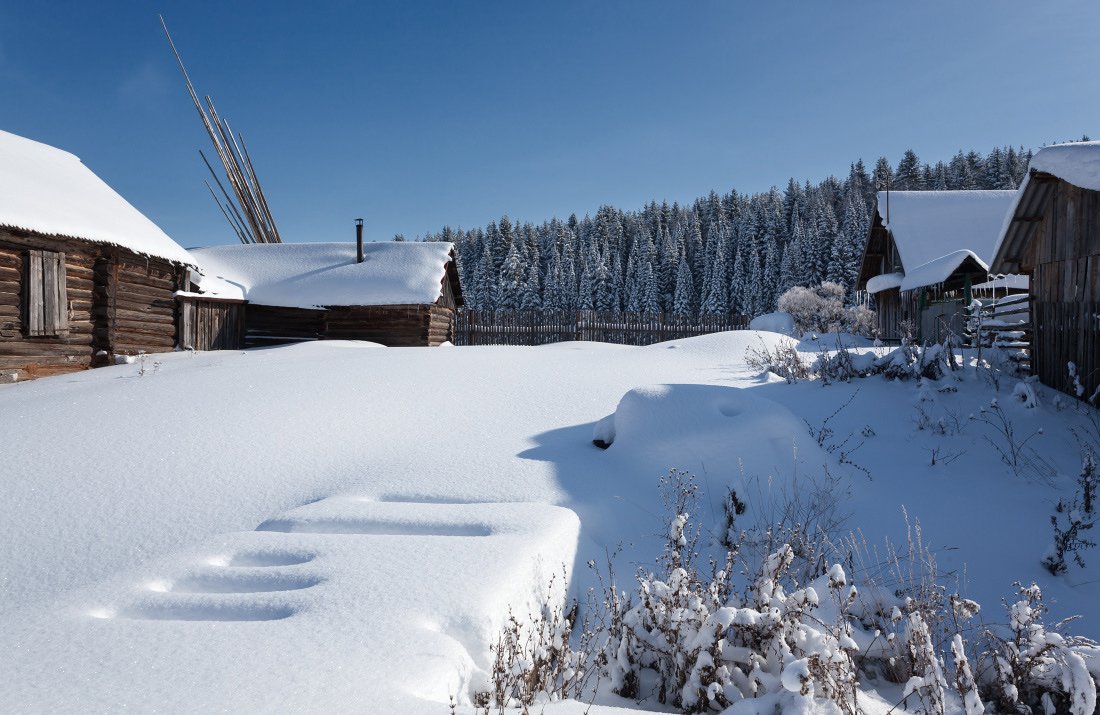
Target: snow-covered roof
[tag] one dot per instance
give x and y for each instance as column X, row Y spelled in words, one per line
column 884, row 282
column 927, row 225
column 938, row 270
column 315, row 275
column 49, row 191
column 1078, row 163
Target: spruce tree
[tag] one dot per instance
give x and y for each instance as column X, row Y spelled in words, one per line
column 683, row 302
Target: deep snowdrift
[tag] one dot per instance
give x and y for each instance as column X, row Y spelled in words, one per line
column 333, row 526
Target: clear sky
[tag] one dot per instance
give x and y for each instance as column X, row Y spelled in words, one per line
column 419, row 114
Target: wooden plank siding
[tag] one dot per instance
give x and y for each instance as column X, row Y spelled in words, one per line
column 107, row 300
column 1065, row 284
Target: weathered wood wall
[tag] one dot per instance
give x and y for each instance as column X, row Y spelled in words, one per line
column 1066, row 288
column 211, row 324
column 115, row 301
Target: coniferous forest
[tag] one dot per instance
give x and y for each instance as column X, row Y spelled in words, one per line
column 724, row 253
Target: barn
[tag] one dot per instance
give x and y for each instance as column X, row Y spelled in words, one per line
column 251, row 295
column 925, row 252
column 84, row 276
column 1052, row 234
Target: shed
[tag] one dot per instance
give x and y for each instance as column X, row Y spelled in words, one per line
column 924, row 252
column 83, row 274
column 402, row 294
column 1052, row 234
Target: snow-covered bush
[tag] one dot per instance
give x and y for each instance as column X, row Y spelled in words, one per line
column 701, row 638
column 821, row 309
column 533, row 658
column 1036, row 669
column 783, row 360
column 707, row 646
column 1071, row 519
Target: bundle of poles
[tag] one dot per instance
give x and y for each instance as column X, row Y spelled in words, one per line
column 250, row 216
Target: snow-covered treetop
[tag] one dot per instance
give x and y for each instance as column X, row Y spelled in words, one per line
column 314, row 275
column 928, row 225
column 47, row 190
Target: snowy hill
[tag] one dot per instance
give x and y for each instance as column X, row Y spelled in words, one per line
column 341, row 527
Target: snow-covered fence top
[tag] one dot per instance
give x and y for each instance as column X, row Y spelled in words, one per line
column 927, row 225
column 315, row 275
column 49, row 191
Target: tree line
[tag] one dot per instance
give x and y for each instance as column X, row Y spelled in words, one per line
column 723, row 253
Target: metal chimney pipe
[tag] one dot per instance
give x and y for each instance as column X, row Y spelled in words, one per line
column 358, row 240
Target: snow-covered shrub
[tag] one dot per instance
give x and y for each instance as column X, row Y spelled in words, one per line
column 842, row 366
column 924, row 691
column 821, row 310
column 706, row 645
column 1036, row 669
column 1070, row 520
column 533, row 658
column 783, row 361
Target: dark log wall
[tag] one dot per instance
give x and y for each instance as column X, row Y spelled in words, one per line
column 144, row 307
column 116, row 302
column 1066, row 288
column 391, row 325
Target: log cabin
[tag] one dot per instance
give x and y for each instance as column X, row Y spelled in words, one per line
column 925, row 251
column 1053, row 235
column 401, row 294
column 84, row 276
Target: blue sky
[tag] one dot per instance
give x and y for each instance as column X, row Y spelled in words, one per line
column 420, row 114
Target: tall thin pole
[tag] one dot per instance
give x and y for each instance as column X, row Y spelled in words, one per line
column 251, row 210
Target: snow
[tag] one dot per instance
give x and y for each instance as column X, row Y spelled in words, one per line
column 927, row 225
column 782, row 323
column 315, row 275
column 333, row 526
column 886, row 281
column 1076, row 162
column 50, row 191
column 938, row 270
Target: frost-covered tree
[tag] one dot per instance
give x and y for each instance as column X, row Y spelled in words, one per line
column 684, row 302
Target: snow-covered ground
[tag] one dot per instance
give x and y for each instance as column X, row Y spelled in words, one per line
column 337, row 526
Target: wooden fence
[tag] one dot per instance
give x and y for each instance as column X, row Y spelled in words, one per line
column 519, row 327
column 1005, row 323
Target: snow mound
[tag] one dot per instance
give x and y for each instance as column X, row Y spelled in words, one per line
column 782, row 323
column 886, row 281
column 317, row 275
column 50, row 191
column 706, row 428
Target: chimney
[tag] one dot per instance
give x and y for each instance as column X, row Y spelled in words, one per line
column 358, row 240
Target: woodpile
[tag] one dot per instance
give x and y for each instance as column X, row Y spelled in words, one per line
column 249, row 214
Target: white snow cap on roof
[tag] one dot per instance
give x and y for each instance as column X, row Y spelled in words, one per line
column 927, row 225
column 938, row 270
column 1078, row 163
column 315, row 275
column 47, row 190
column 884, row 282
